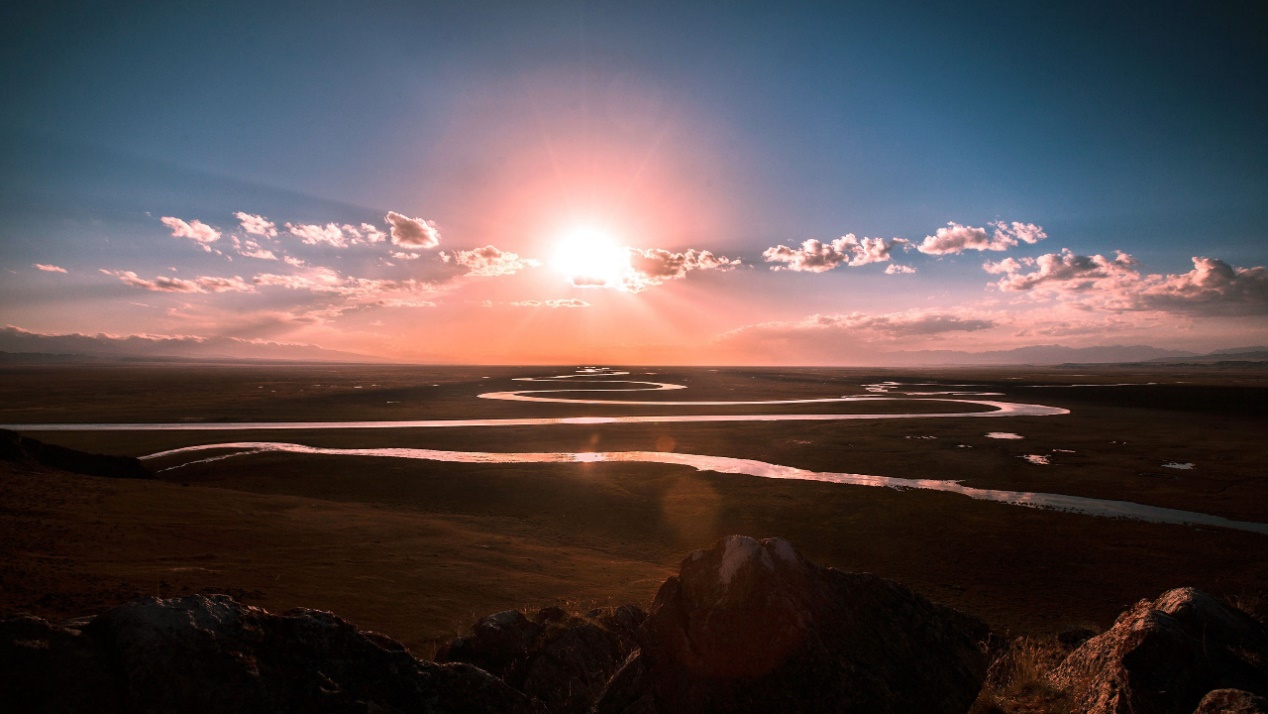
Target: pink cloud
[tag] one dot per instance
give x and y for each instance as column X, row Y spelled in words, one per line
column 817, row 257
column 364, row 233
column 566, row 302
column 1064, row 271
column 256, row 225
column 896, row 269
column 1212, row 287
column 894, row 324
column 250, row 249
column 412, row 232
column 955, row 238
column 49, row 268
column 194, row 230
column 487, row 261
column 653, row 266
column 354, row 291
column 836, row 338
column 162, row 283
column 312, row 234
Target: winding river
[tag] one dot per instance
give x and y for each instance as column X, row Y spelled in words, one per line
column 719, row 464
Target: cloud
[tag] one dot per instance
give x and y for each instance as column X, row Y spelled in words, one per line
column 194, row 230
column 1212, row 287
column 565, row 302
column 857, row 337
column 896, row 269
column 817, row 257
column 653, row 266
column 251, row 249
column 487, row 261
column 161, row 283
column 1064, row 272
column 49, row 268
column 315, row 279
column 223, row 285
column 291, row 261
column 412, row 232
column 955, row 238
column 256, row 225
column 911, row 322
column 312, row 234
column 407, row 256
column 886, row 325
column 354, row 291
column 365, row 233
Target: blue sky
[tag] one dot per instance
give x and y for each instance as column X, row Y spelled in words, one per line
column 731, row 128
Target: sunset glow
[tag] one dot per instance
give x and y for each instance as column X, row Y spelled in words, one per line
column 818, row 187
column 590, row 257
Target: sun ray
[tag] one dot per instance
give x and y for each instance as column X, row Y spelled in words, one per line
column 590, row 256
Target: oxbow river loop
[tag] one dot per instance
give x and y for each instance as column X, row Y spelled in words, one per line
column 589, row 377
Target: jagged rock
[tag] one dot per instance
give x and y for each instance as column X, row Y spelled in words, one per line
column 1164, row 656
column 496, row 642
column 751, row 626
column 1232, row 701
column 211, row 654
column 561, row 660
column 15, row 447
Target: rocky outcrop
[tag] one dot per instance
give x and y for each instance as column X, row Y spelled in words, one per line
column 1165, row 655
column 15, row 447
column 1232, row 701
column 751, row 626
column 211, row 654
column 560, row 659
column 745, row 626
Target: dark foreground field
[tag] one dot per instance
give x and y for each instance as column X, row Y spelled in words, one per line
column 419, row 549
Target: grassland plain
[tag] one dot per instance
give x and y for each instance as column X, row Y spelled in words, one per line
column 418, row 549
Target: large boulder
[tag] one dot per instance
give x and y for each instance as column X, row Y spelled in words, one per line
column 1165, row 655
column 562, row 660
column 1232, row 701
column 211, row 654
column 751, row 626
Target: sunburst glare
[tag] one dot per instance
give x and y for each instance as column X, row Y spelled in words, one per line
column 590, row 256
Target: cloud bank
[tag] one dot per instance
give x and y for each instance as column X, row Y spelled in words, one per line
column 817, row 257
column 955, row 238
column 1211, row 288
column 202, row 284
column 653, row 266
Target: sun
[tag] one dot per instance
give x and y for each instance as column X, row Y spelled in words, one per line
column 591, row 258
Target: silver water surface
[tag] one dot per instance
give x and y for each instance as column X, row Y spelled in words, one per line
column 750, row 467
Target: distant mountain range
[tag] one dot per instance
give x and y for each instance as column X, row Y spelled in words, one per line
column 1057, row 354
column 17, row 344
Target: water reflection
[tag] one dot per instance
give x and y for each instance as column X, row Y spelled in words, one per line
column 600, row 375
column 728, row 465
